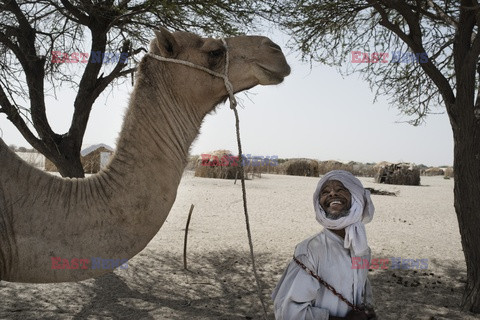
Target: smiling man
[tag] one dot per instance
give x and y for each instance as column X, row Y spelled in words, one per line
column 342, row 207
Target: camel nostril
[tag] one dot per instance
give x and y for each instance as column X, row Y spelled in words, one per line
column 271, row 44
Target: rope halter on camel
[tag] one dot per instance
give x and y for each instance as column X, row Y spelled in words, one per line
column 233, row 104
column 224, row 76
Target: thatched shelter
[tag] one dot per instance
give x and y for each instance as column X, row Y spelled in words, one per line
column 49, row 166
column 93, row 158
column 192, row 162
column 363, row 169
column 434, row 172
column 220, row 164
column 398, row 173
column 327, row 166
column 33, row 158
column 448, row 172
column 96, row 158
column 300, row 167
column 256, row 165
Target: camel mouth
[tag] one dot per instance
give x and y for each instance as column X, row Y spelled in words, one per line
column 270, row 76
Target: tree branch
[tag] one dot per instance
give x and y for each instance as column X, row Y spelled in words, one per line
column 85, row 97
column 64, row 12
column 13, row 7
column 82, row 18
column 437, row 77
column 445, row 17
column 33, row 67
column 15, row 49
column 464, row 60
column 103, row 82
column 13, row 115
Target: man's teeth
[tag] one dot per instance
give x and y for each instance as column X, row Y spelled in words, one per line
column 335, row 202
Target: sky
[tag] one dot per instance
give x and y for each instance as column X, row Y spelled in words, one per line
column 315, row 113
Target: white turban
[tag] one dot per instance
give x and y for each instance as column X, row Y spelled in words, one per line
column 360, row 212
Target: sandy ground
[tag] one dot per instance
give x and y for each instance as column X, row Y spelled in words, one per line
column 419, row 223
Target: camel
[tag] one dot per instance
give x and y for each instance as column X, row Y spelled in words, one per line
column 48, row 224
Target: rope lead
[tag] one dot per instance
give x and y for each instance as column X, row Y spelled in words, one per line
column 233, row 105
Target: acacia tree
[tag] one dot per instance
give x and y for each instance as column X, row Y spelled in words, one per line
column 433, row 62
column 36, row 35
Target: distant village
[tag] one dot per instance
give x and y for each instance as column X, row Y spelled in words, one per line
column 94, row 158
column 214, row 166
column 223, row 164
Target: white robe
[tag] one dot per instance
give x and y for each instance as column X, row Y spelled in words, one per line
column 299, row 296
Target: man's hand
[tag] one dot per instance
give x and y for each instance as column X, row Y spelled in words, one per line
column 370, row 313
column 352, row 315
column 356, row 315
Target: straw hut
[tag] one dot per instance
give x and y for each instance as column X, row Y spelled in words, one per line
column 95, row 158
column 192, row 162
column 448, row 173
column 33, row 158
column 300, row 167
column 327, row 166
column 49, row 166
column 397, row 173
column 363, row 169
column 256, row 165
column 434, row 172
column 220, row 164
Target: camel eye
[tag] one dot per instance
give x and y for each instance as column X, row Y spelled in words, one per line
column 216, row 53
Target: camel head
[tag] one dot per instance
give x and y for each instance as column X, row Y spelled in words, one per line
column 253, row 60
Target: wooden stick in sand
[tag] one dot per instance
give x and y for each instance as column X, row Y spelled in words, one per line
column 186, row 235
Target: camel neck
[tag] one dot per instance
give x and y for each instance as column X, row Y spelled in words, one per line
column 159, row 128
column 114, row 214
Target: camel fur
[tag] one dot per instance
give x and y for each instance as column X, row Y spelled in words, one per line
column 115, row 213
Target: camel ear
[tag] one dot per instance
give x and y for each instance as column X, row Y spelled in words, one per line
column 166, row 43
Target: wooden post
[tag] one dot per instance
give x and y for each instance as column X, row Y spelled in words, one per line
column 186, row 235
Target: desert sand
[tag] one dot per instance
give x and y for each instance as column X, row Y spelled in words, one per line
column 418, row 223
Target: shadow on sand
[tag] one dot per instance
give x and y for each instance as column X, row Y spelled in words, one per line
column 220, row 285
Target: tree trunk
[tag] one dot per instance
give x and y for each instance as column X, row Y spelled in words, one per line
column 69, row 166
column 65, row 155
column 467, row 200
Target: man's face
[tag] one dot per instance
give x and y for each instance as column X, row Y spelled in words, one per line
column 335, row 199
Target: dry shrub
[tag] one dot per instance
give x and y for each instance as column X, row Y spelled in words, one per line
column 363, row 169
column 256, row 165
column 192, row 162
column 278, row 168
column 300, row 167
column 220, row 164
column 91, row 164
column 327, row 166
column 49, row 166
column 434, row 172
column 400, row 174
column 356, row 168
column 449, row 172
